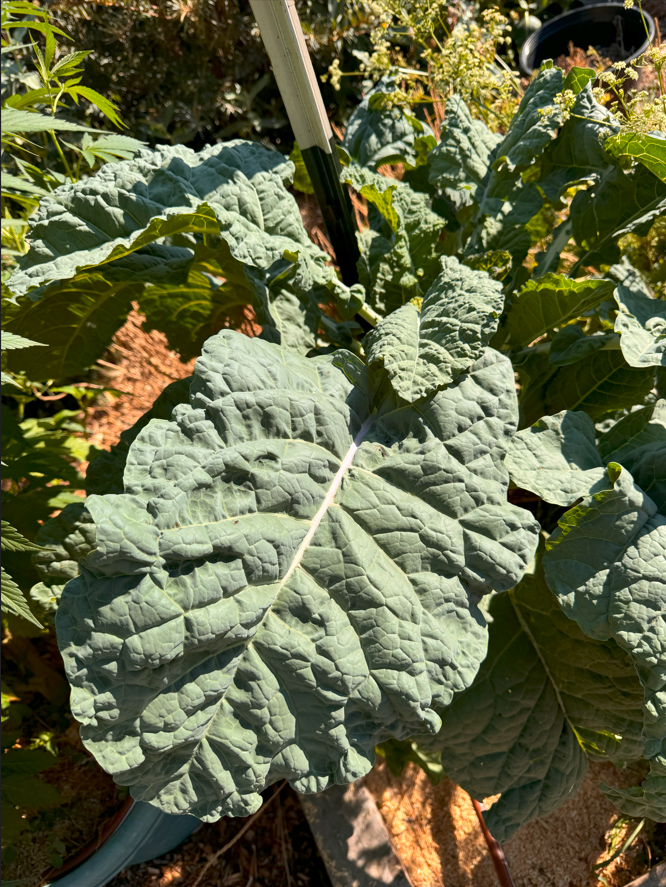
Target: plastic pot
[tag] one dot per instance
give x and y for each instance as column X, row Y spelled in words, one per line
column 141, row 835
column 600, row 24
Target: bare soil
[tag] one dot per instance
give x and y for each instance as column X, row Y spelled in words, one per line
column 139, row 365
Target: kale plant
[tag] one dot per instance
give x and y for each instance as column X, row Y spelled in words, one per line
column 318, row 547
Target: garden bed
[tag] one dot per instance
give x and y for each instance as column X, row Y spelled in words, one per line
column 434, row 828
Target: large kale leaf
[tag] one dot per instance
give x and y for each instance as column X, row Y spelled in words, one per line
column 606, row 562
column 179, row 222
column 292, row 575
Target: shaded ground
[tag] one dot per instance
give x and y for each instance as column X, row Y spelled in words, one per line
column 88, row 796
column 277, row 851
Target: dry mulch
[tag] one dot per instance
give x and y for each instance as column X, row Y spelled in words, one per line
column 139, row 365
column 436, row 834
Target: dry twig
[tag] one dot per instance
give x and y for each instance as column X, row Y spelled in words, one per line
column 239, row 834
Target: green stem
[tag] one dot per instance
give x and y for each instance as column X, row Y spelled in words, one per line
column 62, row 156
column 369, row 315
column 647, row 32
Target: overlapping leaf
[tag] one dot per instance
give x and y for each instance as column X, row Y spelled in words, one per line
column 606, row 562
column 642, row 323
column 379, row 132
column 166, row 213
column 617, row 203
column 577, row 155
column 292, row 575
column 648, row 148
column 400, row 252
column 570, row 344
column 544, row 697
column 549, row 302
column 65, row 539
column 425, row 350
column 461, row 158
column 556, row 458
column 602, row 381
column 506, row 203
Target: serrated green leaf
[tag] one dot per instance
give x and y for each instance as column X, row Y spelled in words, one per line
column 10, row 341
column 16, row 121
column 12, row 540
column 325, row 525
column 556, row 458
column 13, row 599
column 8, row 380
column 551, row 301
column 642, row 324
column 29, row 791
column 109, row 148
column 378, row 133
column 12, row 184
column 648, row 148
column 106, row 106
column 423, row 351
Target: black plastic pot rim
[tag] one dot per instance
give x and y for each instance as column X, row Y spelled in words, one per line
column 528, row 46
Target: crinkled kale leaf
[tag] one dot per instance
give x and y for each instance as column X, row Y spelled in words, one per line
column 292, row 574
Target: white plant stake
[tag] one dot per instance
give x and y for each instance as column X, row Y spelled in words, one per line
column 283, row 37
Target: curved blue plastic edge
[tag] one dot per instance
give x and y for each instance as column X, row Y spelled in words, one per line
column 144, row 833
